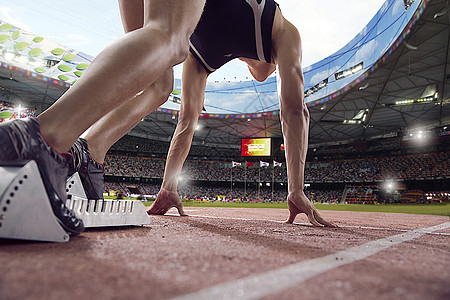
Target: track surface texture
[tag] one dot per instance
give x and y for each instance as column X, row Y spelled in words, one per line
column 238, row 253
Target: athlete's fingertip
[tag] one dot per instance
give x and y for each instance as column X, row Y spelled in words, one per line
column 313, row 221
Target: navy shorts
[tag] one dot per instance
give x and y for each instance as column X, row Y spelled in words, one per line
column 230, row 29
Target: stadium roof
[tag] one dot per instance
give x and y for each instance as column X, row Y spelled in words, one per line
column 392, row 76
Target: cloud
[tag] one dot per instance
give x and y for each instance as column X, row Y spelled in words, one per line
column 318, row 77
column 364, row 53
column 13, row 16
column 385, row 6
column 326, row 26
column 74, row 41
column 77, row 40
column 398, row 6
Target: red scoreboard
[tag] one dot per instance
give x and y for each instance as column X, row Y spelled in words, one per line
column 256, row 147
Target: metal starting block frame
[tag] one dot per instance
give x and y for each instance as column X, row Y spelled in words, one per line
column 25, row 210
column 103, row 213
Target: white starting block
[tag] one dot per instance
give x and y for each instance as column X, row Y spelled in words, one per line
column 25, row 211
column 103, row 213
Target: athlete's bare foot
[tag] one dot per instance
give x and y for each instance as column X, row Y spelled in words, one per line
column 299, row 203
column 165, row 201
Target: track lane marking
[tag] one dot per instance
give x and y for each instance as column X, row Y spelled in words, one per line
column 309, row 224
column 271, row 282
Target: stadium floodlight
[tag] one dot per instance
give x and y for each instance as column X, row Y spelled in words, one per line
column 441, row 13
column 410, row 47
column 349, row 72
column 317, row 87
column 408, row 3
column 419, row 136
column 423, row 100
column 364, row 86
column 389, row 186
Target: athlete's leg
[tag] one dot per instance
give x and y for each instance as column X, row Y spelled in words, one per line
column 88, row 155
column 192, row 97
column 294, row 117
column 132, row 14
column 118, row 122
column 124, row 68
column 260, row 70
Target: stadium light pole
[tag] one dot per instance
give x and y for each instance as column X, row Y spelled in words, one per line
column 231, row 180
column 245, row 181
column 273, row 178
column 259, row 180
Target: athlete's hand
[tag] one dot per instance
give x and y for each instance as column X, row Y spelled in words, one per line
column 165, row 201
column 299, row 203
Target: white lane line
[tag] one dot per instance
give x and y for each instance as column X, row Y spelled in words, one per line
column 271, row 282
column 309, row 225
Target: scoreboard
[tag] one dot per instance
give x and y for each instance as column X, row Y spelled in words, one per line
column 256, row 147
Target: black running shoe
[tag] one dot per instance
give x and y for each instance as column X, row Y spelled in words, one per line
column 91, row 172
column 22, row 140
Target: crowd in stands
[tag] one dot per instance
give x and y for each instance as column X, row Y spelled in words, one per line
column 137, row 146
column 200, row 193
column 413, row 167
column 363, row 174
column 321, row 196
column 350, row 195
column 361, row 194
column 134, row 167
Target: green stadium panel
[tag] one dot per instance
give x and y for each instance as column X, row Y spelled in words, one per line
column 21, row 46
column 35, row 52
column 3, row 38
column 38, row 39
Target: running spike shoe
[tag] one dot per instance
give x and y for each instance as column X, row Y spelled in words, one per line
column 91, row 172
column 21, row 140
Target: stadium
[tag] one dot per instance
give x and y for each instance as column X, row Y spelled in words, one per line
column 378, row 165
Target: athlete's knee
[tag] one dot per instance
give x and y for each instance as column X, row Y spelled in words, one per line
column 164, row 85
column 188, row 124
column 176, row 42
column 180, row 44
column 305, row 112
column 179, row 47
column 260, row 74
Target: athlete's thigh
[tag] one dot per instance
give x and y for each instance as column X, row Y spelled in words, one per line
column 177, row 16
column 260, row 70
column 132, row 14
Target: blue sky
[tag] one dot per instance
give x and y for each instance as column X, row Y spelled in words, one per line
column 89, row 26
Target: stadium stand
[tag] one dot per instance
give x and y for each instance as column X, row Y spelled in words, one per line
column 335, row 179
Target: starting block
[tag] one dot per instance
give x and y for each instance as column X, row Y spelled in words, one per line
column 103, row 213
column 25, row 211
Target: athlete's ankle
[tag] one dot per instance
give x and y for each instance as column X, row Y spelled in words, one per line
column 53, row 137
column 97, row 153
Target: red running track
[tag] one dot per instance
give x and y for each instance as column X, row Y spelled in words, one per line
column 238, row 253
